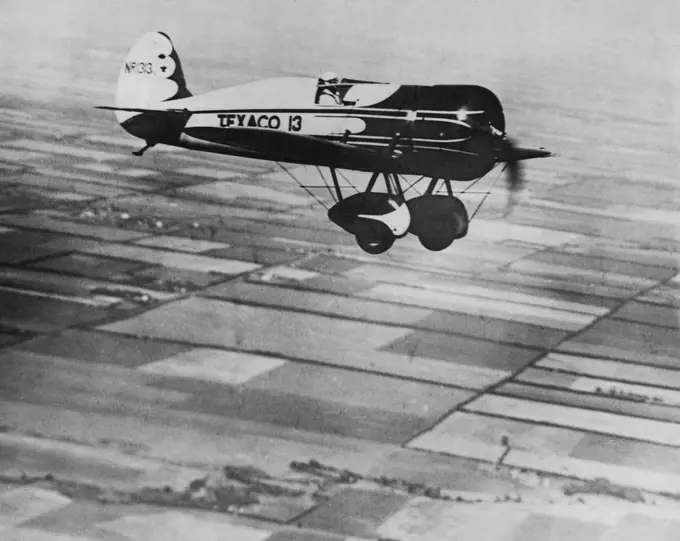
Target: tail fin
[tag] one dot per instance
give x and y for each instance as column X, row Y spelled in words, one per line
column 152, row 73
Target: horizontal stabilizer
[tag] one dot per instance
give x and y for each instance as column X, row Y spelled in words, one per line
column 144, row 110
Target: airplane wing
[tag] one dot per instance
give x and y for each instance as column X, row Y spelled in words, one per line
column 272, row 142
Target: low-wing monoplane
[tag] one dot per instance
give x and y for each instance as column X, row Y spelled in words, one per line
column 442, row 133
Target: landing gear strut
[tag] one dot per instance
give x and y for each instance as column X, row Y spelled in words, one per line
column 377, row 219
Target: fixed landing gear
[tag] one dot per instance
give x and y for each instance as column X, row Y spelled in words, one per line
column 377, row 219
column 440, row 236
column 438, row 220
column 375, row 240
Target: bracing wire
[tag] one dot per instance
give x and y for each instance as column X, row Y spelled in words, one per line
column 479, row 206
column 347, row 180
column 412, row 185
column 471, row 185
column 302, row 185
column 325, row 182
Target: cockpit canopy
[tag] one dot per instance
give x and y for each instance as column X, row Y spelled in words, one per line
column 331, row 90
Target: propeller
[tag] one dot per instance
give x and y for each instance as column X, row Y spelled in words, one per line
column 515, row 171
column 513, row 155
column 508, row 152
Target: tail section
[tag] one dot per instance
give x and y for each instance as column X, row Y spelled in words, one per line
column 151, row 74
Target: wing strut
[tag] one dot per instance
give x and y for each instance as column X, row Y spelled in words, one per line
column 336, row 183
column 372, row 180
column 397, row 185
column 388, row 152
column 388, row 184
column 431, row 186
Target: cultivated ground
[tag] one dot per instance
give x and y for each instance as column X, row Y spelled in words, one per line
column 189, row 330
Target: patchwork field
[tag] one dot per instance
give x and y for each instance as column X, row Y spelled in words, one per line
column 165, row 317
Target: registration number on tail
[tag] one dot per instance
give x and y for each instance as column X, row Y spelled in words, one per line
column 139, row 67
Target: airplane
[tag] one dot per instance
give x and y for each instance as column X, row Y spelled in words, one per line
column 442, row 133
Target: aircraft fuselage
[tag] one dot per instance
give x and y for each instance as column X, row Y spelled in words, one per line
column 438, row 131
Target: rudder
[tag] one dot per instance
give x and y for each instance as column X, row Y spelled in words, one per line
column 151, row 73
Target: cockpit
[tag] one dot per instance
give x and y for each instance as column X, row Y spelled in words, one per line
column 331, row 91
